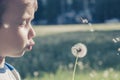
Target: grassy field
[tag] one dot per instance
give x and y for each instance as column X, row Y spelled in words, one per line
column 61, row 74
column 108, row 74
column 54, row 29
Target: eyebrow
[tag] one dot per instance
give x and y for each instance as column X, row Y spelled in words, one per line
column 30, row 18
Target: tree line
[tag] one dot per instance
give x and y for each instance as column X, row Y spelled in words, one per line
column 70, row 11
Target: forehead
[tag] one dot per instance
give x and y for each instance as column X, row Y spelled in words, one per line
column 30, row 3
column 24, row 3
column 18, row 10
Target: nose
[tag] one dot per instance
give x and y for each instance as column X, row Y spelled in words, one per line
column 31, row 33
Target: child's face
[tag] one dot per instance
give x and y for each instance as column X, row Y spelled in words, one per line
column 16, row 33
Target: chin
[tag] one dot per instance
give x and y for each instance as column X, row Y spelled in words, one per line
column 20, row 54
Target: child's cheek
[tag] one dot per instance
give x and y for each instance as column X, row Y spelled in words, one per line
column 18, row 39
column 22, row 37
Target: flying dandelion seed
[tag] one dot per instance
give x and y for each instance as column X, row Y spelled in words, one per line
column 91, row 28
column 115, row 40
column 118, row 39
column 118, row 52
column 79, row 50
column 119, row 49
column 85, row 21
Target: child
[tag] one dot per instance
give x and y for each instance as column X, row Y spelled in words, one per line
column 16, row 33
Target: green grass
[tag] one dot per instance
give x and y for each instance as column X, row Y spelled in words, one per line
column 54, row 29
column 108, row 74
column 50, row 40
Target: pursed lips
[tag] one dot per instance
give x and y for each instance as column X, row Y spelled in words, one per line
column 30, row 45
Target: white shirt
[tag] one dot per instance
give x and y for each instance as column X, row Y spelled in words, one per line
column 8, row 72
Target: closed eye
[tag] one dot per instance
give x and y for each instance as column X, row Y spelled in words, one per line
column 23, row 23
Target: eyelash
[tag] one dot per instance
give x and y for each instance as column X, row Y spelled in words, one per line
column 25, row 23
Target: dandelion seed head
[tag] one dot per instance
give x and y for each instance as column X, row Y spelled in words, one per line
column 79, row 50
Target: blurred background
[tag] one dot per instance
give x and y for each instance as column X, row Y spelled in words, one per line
column 70, row 11
column 60, row 24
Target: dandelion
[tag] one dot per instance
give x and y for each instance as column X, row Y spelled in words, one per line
column 79, row 50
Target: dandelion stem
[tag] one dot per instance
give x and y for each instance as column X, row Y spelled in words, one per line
column 73, row 77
